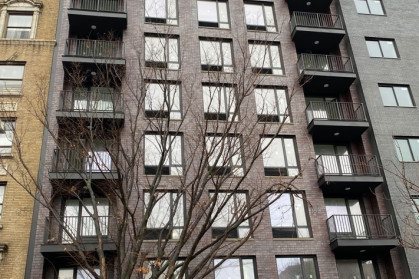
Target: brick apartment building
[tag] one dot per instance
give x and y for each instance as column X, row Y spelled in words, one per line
column 152, row 67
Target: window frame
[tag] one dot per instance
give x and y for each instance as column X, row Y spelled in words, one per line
column 223, row 67
column 301, row 258
column 415, row 207
column 165, row 49
column 379, row 42
column 231, row 111
column 281, row 170
column 2, row 194
column 396, row 99
column 166, row 169
column 294, row 229
column 241, row 268
column 6, row 91
column 167, row 110
column 20, row 8
column 9, row 129
column 360, row 266
column 368, row 7
column 75, row 271
column 265, row 27
column 272, row 69
column 169, row 20
column 279, row 116
column 219, row 24
column 400, row 157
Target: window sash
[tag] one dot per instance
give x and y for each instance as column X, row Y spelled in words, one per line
column 213, row 14
column 163, row 100
column 266, row 59
column 296, row 267
column 280, row 155
column 271, row 104
column 396, row 96
column 148, row 266
column 225, row 153
column 161, row 11
column 11, row 78
column 219, row 101
column 260, row 17
column 164, row 51
column 235, row 268
column 19, row 26
column 2, row 191
column 153, row 152
column 373, row 7
column 216, row 55
column 6, row 138
column 407, row 149
column 381, row 48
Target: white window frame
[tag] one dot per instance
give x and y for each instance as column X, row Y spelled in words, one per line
column 362, row 4
column 20, row 8
column 219, row 102
column 6, row 137
column 283, row 148
column 272, row 104
column 380, row 43
column 163, row 100
column 161, row 11
column 415, row 207
column 162, row 51
column 168, row 213
column 225, row 155
column 243, row 268
column 2, row 194
column 153, row 151
column 413, row 155
column 216, row 55
column 396, row 98
column 265, row 58
column 263, row 20
column 7, row 69
column 221, row 13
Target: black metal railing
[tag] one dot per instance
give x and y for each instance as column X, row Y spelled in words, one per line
column 355, row 165
column 74, row 228
column 100, row 49
column 316, row 20
column 340, row 111
column 115, row 6
column 365, row 226
column 324, row 63
column 91, row 101
column 81, row 161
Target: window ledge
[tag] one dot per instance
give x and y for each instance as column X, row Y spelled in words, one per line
column 412, row 107
column 294, row 239
column 5, row 41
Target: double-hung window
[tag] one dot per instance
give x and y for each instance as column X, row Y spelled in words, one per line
column 271, row 104
column 384, row 48
column 2, row 191
column 260, row 16
column 167, row 215
column 288, row 215
column 162, row 52
column 265, row 58
column 297, row 267
column 6, row 136
column 396, row 95
column 235, row 268
column 76, row 273
column 224, row 155
column 19, row 26
column 219, row 102
column 216, row 55
column 407, row 149
column 371, row 7
column 11, row 79
column 161, row 11
column 162, row 100
column 279, row 156
column 163, row 154
column 213, row 13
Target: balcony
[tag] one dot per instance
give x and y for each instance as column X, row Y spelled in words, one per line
column 316, row 6
column 361, row 234
column 340, row 174
column 79, row 164
column 111, row 13
column 325, row 73
column 94, row 52
column 105, row 107
column 336, row 120
column 60, row 237
column 316, row 32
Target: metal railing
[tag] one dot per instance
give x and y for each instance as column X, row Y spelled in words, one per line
column 341, row 111
column 115, row 6
column 78, row 228
column 101, row 49
column 365, row 226
column 316, row 20
column 81, row 161
column 355, row 165
column 324, row 63
column 91, row 101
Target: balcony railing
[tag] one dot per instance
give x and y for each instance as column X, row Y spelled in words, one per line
column 81, row 161
column 101, row 49
column 91, row 101
column 114, row 6
column 302, row 19
column 348, row 165
column 365, row 226
column 338, row 111
column 324, row 63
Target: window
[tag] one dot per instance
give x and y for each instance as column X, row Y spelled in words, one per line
column 19, row 26
column 415, row 206
column 233, row 207
column 219, row 103
column 91, row 99
column 166, row 218
column 161, row 11
column 11, row 79
column 224, row 155
column 235, row 268
column 407, row 149
column 76, row 273
column 156, row 266
column 19, row 19
column 279, row 157
column 213, row 13
column 6, row 137
column 2, row 191
column 396, row 96
column 381, row 48
column 288, row 215
column 372, row 7
column 162, row 100
column 216, row 55
column 271, row 104
column 265, row 58
column 163, row 154
column 354, row 268
column 297, row 267
column 162, row 52
column 260, row 16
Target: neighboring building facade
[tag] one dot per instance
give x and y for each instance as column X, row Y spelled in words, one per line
column 345, row 230
column 27, row 43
